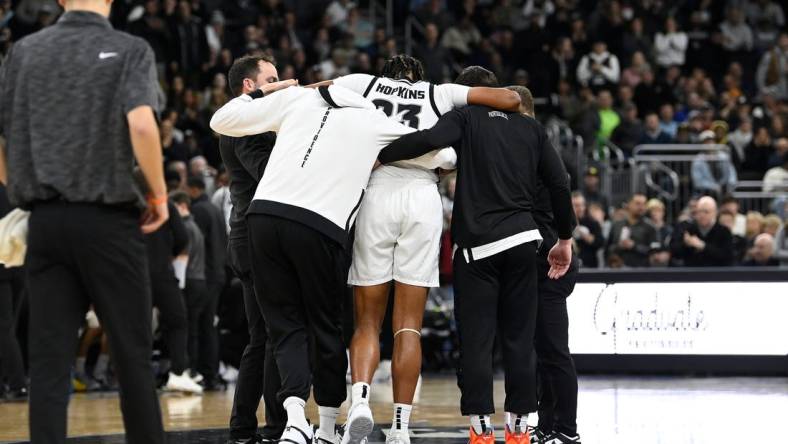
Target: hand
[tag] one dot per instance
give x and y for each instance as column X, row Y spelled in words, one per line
column 693, row 241
column 155, row 215
column 626, row 244
column 268, row 88
column 559, row 258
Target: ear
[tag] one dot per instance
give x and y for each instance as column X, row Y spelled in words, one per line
column 248, row 85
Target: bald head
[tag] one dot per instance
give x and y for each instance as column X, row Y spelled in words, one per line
column 706, row 212
column 763, row 248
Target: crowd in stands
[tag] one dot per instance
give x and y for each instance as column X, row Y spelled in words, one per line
column 619, row 72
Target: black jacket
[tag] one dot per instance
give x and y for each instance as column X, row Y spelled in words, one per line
column 245, row 159
column 588, row 251
column 717, row 253
column 501, row 157
column 211, row 222
column 164, row 244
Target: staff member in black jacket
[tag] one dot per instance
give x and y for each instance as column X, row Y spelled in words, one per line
column 557, row 374
column 245, row 159
column 164, row 244
column 71, row 150
column 211, row 222
column 500, row 157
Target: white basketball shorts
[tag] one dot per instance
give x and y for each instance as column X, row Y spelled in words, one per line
column 398, row 232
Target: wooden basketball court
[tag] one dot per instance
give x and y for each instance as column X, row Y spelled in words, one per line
column 611, row 410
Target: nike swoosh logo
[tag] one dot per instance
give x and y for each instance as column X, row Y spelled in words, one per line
column 106, row 55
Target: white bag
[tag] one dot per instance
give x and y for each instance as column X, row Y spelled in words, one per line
column 13, row 238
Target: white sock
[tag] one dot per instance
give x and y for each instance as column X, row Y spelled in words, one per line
column 517, row 423
column 295, row 413
column 328, row 420
column 102, row 364
column 79, row 368
column 481, row 423
column 401, row 417
column 360, row 393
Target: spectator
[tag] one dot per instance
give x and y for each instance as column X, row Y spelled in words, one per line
column 631, row 238
column 659, row 257
column 592, row 191
column 730, row 205
column 630, row 131
column 738, row 141
column 338, row 12
column 766, row 18
column 780, row 150
column 754, row 226
column 360, row 28
column 588, row 233
column 608, row 117
column 728, row 220
column 756, row 155
column 435, row 57
column 633, row 74
column 772, row 224
column 667, row 123
column 712, row 172
column 776, row 179
column 599, row 69
column 190, row 47
column 636, row 40
column 655, row 212
column 762, row 252
column 736, row 34
column 704, row 243
column 671, row 46
column 772, row 74
column 781, row 246
column 652, row 133
column 461, row 38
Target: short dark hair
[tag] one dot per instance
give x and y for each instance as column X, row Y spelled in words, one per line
column 196, row 182
column 403, row 66
column 729, row 199
column 526, row 98
column 180, row 198
column 245, row 67
column 476, row 76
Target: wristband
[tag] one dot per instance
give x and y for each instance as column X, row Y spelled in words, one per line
column 153, row 200
column 257, row 94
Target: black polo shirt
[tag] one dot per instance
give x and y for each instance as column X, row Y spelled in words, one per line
column 64, row 95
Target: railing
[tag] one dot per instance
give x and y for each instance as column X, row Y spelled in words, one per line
column 387, row 7
column 666, row 171
column 411, row 23
column 751, row 197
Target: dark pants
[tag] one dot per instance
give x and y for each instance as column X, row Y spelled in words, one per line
column 200, row 322
column 496, row 294
column 209, row 359
column 299, row 279
column 168, row 299
column 558, row 387
column 257, row 376
column 82, row 254
column 12, row 368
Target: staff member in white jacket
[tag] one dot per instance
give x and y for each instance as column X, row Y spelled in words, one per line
column 328, row 141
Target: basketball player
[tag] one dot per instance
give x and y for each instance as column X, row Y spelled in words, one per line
column 558, row 377
column 500, row 156
column 299, row 223
column 398, row 236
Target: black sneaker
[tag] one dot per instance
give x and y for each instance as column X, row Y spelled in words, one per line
column 537, row 436
column 561, row 438
column 18, row 395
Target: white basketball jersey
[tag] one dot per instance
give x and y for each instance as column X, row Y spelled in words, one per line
column 415, row 104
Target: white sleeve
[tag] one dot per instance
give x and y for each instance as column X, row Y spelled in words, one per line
column 357, row 83
column 244, row 116
column 449, row 96
column 388, row 130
